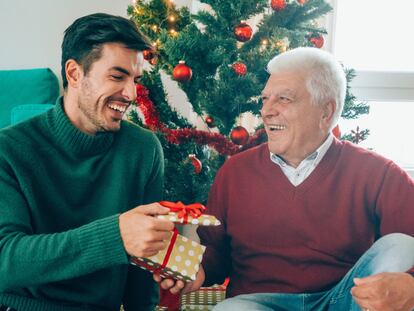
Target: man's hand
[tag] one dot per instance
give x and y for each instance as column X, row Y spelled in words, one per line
column 388, row 291
column 178, row 286
column 142, row 234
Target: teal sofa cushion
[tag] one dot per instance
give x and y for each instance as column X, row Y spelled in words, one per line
column 24, row 112
column 29, row 86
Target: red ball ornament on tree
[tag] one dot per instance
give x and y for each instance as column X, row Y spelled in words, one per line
column 317, row 40
column 239, row 68
column 278, row 5
column 239, row 135
column 209, row 121
column 301, row 2
column 182, row 72
column 196, row 163
column 243, row 32
column 336, row 132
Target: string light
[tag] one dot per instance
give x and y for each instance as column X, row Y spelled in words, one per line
column 264, row 42
column 154, row 28
column 171, row 18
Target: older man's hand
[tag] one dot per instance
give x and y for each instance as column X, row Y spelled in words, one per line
column 388, row 291
column 177, row 286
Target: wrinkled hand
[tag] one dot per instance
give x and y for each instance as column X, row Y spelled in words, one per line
column 142, row 234
column 388, row 291
column 177, row 286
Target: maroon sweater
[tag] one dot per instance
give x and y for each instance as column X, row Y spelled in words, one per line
column 276, row 237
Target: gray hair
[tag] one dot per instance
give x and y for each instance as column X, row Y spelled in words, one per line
column 325, row 77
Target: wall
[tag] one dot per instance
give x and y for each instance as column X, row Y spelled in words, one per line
column 31, row 31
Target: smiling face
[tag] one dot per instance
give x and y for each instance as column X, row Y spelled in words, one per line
column 96, row 101
column 294, row 125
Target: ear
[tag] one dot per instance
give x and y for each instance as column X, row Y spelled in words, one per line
column 73, row 73
column 328, row 112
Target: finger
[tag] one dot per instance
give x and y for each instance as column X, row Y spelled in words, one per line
column 162, row 224
column 179, row 285
column 368, row 279
column 167, row 284
column 152, row 209
column 157, row 278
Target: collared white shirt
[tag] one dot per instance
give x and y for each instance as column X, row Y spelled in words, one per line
column 297, row 175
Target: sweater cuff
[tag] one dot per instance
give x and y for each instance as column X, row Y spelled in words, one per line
column 101, row 243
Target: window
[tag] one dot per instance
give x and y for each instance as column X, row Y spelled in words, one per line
column 374, row 38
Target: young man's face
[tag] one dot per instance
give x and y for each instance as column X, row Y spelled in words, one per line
column 108, row 89
column 294, row 125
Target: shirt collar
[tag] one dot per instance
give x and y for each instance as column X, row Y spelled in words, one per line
column 315, row 156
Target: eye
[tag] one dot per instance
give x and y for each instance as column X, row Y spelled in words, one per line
column 118, row 78
column 284, row 99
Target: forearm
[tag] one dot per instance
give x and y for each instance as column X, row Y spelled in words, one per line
column 27, row 260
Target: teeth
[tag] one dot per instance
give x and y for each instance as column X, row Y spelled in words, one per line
column 116, row 107
column 277, row 127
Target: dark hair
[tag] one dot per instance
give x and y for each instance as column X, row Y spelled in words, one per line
column 83, row 40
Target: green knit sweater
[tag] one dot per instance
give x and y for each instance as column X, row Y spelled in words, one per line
column 61, row 193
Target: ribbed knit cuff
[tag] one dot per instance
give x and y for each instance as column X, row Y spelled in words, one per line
column 101, row 243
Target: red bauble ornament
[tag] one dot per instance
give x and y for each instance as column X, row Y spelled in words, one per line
column 148, row 54
column 239, row 68
column 317, row 40
column 336, row 132
column 196, row 163
column 278, row 5
column 301, row 2
column 243, row 32
column 182, row 72
column 239, row 135
column 210, row 121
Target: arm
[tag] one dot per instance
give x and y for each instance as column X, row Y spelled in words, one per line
column 394, row 209
column 217, row 258
column 28, row 259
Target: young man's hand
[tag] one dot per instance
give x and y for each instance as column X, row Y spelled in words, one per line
column 143, row 234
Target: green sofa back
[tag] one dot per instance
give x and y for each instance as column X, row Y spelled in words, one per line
column 28, row 87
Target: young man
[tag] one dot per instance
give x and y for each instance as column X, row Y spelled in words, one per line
column 77, row 184
column 309, row 222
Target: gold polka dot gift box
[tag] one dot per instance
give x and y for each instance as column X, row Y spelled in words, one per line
column 181, row 259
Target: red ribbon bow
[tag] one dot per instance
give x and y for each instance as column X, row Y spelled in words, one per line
column 195, row 210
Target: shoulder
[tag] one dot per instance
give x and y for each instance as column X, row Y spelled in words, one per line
column 367, row 162
column 247, row 160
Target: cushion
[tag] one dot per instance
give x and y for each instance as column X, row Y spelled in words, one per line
column 29, row 86
column 23, row 112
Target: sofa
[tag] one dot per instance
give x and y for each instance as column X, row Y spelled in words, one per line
column 26, row 93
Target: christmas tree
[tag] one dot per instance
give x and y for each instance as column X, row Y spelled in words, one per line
column 218, row 60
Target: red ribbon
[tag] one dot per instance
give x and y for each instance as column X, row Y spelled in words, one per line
column 167, row 256
column 195, row 210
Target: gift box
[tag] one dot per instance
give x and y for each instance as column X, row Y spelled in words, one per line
column 203, row 299
column 181, row 259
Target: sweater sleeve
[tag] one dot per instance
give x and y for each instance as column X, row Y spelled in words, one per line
column 28, row 259
column 216, row 261
column 141, row 291
column 395, row 203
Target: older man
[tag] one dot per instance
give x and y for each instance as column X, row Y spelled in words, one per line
column 309, row 222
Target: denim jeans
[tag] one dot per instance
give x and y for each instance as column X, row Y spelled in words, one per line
column 391, row 253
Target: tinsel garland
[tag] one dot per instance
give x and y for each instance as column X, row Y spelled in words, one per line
column 176, row 136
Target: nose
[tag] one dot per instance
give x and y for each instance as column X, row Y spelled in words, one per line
column 269, row 108
column 129, row 91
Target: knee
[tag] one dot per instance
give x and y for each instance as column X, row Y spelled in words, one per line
column 396, row 241
column 393, row 253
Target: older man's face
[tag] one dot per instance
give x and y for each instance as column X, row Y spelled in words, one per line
column 295, row 126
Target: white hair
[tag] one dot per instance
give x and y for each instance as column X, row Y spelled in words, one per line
column 325, row 77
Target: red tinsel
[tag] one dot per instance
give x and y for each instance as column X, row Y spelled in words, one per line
column 176, row 136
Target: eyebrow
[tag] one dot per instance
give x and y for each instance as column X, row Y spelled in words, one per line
column 124, row 71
